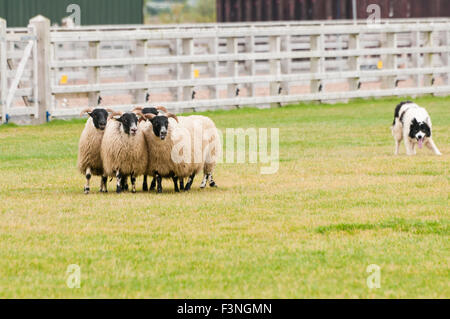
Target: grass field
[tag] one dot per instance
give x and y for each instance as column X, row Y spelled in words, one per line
column 339, row 202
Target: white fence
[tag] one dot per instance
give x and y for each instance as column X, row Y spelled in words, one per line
column 54, row 72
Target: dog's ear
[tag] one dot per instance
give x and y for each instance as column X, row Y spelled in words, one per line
column 414, row 122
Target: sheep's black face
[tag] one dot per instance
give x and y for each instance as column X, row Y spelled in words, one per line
column 419, row 131
column 160, row 126
column 150, row 110
column 129, row 123
column 99, row 117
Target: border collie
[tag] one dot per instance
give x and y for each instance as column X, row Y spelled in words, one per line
column 413, row 124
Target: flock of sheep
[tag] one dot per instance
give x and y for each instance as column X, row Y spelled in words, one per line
column 150, row 142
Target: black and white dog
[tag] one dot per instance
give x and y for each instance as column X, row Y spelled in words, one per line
column 413, row 124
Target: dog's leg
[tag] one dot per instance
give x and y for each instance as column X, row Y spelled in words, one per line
column 398, row 136
column 409, row 147
column 430, row 144
column 414, row 148
column 397, row 146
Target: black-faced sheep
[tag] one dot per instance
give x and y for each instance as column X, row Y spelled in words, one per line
column 172, row 152
column 124, row 149
column 89, row 158
column 155, row 111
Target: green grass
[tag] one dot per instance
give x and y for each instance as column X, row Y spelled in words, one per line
column 339, row 202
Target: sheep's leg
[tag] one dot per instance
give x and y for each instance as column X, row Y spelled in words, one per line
column 212, row 183
column 159, row 182
column 88, row 178
column 144, row 184
column 133, row 183
column 103, row 188
column 124, row 184
column 204, row 180
column 119, row 182
column 181, row 183
column 153, row 184
column 189, row 182
column 430, row 144
column 175, row 184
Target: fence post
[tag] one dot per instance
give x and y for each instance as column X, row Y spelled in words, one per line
column 140, row 71
column 42, row 27
column 3, row 69
column 428, row 58
column 388, row 82
column 415, row 43
column 275, row 66
column 353, row 62
column 93, row 72
column 213, row 46
column 188, row 68
column 175, row 49
column 447, row 55
column 316, row 43
column 232, row 66
column 250, row 64
column 286, row 63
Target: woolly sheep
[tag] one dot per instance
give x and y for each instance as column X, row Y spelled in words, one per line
column 211, row 149
column 89, row 159
column 124, row 149
column 155, row 111
column 168, row 136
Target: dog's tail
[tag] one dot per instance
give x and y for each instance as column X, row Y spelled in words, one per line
column 397, row 110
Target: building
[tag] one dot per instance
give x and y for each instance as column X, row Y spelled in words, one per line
column 274, row 10
column 18, row 12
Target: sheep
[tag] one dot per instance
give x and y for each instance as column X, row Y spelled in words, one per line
column 211, row 149
column 89, row 159
column 156, row 111
column 124, row 149
column 163, row 133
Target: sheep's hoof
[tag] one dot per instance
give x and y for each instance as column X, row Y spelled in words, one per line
column 133, row 191
column 159, row 191
column 86, row 190
column 118, row 190
column 202, row 185
column 145, row 188
column 213, row 184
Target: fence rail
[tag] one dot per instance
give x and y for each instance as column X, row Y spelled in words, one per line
column 208, row 66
